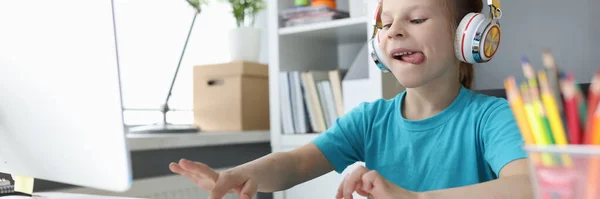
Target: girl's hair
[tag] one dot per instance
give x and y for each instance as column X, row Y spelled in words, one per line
column 457, row 9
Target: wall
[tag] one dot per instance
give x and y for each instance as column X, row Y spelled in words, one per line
column 568, row 28
column 151, row 37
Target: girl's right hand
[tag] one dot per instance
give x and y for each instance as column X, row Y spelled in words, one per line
column 218, row 184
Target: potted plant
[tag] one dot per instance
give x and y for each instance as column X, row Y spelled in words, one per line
column 244, row 40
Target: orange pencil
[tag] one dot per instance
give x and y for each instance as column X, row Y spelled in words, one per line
column 517, row 106
column 594, row 164
column 593, row 98
column 596, row 126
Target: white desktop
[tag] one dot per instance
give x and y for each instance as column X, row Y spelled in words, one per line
column 60, row 99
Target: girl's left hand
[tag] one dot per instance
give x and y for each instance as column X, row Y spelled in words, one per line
column 370, row 184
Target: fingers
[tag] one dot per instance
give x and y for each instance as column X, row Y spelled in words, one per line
column 352, row 181
column 340, row 190
column 200, row 169
column 372, row 179
column 360, row 191
column 224, row 184
column 176, row 168
column 202, row 180
column 248, row 190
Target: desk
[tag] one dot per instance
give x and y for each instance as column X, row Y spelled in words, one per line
column 141, row 142
column 58, row 195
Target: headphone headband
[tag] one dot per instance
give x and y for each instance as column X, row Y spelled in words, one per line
column 477, row 36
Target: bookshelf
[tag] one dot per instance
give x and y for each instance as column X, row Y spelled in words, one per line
column 349, row 30
column 336, row 45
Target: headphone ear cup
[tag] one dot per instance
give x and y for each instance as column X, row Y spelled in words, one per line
column 377, row 55
column 490, row 43
column 465, row 37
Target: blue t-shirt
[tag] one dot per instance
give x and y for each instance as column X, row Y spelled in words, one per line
column 467, row 143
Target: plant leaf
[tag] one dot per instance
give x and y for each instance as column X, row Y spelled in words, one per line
column 197, row 4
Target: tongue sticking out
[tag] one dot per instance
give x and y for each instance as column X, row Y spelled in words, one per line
column 414, row 58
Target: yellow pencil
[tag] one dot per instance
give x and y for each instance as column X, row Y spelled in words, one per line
column 533, row 118
column 538, row 108
column 518, row 109
column 558, row 131
column 536, row 126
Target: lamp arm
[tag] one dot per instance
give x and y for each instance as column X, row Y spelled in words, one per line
column 165, row 107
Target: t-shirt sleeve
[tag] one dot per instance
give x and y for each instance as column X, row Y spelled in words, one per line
column 342, row 143
column 502, row 138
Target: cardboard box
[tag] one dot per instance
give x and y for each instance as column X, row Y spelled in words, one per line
column 231, row 97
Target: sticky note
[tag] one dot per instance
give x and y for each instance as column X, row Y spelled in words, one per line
column 23, row 184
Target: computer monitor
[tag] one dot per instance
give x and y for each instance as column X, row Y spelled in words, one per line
column 61, row 115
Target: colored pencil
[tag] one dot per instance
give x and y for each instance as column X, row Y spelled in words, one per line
column 551, row 107
column 596, row 126
column 553, row 118
column 571, row 111
column 580, row 99
column 593, row 98
column 540, row 113
column 594, row 164
column 532, row 117
column 518, row 109
column 553, row 75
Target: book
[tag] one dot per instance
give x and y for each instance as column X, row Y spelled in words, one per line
column 7, row 189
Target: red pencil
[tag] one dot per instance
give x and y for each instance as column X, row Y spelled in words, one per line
column 571, row 111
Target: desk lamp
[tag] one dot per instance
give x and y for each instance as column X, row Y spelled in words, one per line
column 165, row 127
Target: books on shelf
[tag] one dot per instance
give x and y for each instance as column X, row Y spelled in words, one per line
column 311, row 101
column 310, row 14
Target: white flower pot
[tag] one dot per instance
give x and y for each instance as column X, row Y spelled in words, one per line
column 244, row 44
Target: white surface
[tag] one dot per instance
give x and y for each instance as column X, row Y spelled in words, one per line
column 58, row 195
column 324, row 186
column 347, row 30
column 60, row 105
column 139, row 142
column 163, row 187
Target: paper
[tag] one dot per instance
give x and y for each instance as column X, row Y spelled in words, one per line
column 23, row 184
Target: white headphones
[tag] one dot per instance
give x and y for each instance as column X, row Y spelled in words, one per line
column 468, row 45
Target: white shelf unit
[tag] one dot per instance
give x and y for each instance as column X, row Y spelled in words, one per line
column 321, row 46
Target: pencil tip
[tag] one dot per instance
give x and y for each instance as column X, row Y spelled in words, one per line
column 524, row 60
column 562, row 75
column 546, row 50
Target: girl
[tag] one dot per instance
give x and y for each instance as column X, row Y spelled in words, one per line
column 438, row 139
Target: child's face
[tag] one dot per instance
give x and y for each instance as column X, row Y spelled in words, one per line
column 422, row 29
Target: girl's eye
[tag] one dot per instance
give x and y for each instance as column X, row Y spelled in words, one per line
column 417, row 21
column 387, row 26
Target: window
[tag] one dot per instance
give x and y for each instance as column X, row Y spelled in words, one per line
column 151, row 36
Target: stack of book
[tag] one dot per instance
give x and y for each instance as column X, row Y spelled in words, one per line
column 310, row 14
column 311, row 101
